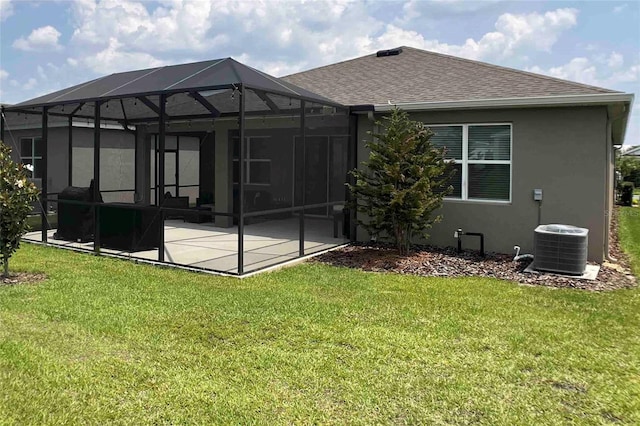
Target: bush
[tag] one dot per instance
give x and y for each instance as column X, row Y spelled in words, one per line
column 626, row 195
column 17, row 194
column 403, row 182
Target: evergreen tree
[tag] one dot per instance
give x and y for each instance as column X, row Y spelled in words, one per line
column 402, row 183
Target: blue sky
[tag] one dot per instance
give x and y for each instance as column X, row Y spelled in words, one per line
column 49, row 45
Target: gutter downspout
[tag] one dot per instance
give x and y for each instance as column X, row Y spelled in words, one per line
column 608, row 183
column 609, row 148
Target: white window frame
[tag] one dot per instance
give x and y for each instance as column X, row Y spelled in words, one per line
column 33, row 157
column 465, row 162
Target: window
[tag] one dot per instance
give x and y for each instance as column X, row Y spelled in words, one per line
column 482, row 153
column 258, row 162
column 31, row 153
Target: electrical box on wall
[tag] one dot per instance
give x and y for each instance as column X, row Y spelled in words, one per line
column 537, row 194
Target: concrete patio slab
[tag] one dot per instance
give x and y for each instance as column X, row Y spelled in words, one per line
column 206, row 246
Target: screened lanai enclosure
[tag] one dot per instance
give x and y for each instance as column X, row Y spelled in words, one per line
column 211, row 165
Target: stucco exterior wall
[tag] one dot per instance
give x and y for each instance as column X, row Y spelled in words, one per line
column 562, row 151
column 117, row 160
column 117, row 157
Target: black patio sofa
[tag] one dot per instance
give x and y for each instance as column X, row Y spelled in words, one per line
column 129, row 229
column 122, row 226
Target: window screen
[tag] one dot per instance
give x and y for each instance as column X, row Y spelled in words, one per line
column 490, row 142
column 449, row 137
column 489, row 181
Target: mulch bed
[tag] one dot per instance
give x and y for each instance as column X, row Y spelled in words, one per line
column 22, row 278
column 432, row 261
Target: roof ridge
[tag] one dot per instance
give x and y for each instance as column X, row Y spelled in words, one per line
column 510, row 69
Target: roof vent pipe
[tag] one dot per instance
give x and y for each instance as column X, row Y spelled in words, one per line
column 390, row 52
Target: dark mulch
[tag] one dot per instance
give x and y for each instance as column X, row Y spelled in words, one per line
column 446, row 262
column 22, row 278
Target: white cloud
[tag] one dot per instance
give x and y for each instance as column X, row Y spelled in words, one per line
column 581, row 70
column 114, row 59
column 112, row 36
column 586, row 70
column 275, row 68
column 419, row 10
column 40, row 39
column 3, row 74
column 630, row 75
column 514, row 33
column 175, row 25
column 620, row 8
column 30, row 84
column 6, row 9
column 41, row 74
column 178, row 30
column 616, row 60
column 534, row 29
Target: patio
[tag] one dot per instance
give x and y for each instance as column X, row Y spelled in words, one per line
column 205, row 246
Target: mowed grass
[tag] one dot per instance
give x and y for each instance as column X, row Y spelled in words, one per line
column 105, row 341
column 630, row 235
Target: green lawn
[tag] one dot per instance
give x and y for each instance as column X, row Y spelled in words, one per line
column 35, row 221
column 108, row 341
column 630, row 235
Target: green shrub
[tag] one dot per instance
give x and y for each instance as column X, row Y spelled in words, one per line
column 17, row 194
column 626, row 196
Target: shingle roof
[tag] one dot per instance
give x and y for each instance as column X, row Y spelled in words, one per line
column 420, row 76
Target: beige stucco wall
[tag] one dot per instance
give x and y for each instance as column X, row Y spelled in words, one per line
column 559, row 150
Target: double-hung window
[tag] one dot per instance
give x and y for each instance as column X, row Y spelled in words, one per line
column 482, row 156
column 31, row 153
